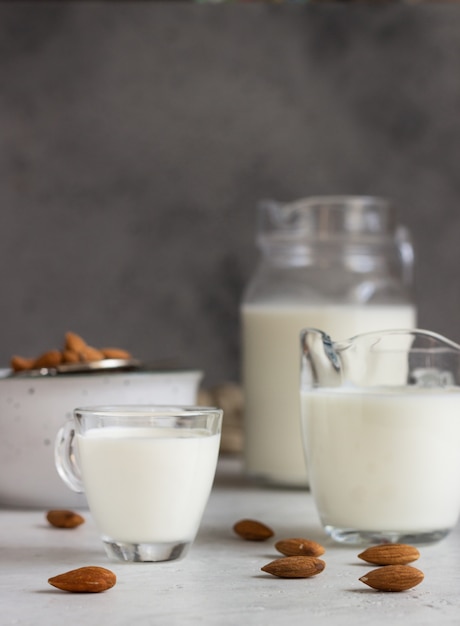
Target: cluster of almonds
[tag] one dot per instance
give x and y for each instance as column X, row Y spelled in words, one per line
column 88, row 579
column 75, row 350
column 301, row 559
column 395, row 573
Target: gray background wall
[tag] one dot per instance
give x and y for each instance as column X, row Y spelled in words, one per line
column 137, row 139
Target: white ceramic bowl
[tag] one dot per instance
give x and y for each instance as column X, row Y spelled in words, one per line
column 32, row 410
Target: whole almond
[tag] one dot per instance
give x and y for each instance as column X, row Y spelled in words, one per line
column 64, row 519
column 299, row 547
column 393, row 578
column 89, row 353
column 390, row 554
column 252, row 530
column 91, row 579
column 295, row 567
column 115, row 353
column 21, row 363
column 52, row 358
column 70, row 356
column 74, row 342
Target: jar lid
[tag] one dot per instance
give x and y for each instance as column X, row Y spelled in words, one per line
column 326, row 217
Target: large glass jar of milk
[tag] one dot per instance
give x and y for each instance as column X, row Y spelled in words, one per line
column 341, row 264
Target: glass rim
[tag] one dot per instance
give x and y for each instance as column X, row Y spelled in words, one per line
column 147, row 410
column 439, row 344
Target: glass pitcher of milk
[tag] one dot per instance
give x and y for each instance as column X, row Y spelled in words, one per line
column 342, row 264
column 381, row 430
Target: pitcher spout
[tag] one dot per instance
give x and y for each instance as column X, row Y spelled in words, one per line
column 320, row 362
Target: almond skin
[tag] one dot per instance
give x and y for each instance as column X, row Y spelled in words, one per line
column 52, row 358
column 64, row 519
column 91, row 579
column 115, row 353
column 21, row 363
column 295, row 567
column 74, row 342
column 393, row 578
column 75, row 350
column 91, row 354
column 390, row 554
column 252, row 530
column 299, row 547
column 70, row 356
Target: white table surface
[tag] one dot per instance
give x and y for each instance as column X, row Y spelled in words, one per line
column 219, row 582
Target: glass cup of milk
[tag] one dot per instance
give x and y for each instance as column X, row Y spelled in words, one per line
column 381, row 434
column 146, row 471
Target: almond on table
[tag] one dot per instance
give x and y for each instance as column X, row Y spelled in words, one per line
column 298, row 546
column 253, row 530
column 393, row 578
column 390, row 554
column 90, row 579
column 64, row 519
column 295, row 567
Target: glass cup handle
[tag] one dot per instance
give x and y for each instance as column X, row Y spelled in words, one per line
column 65, row 457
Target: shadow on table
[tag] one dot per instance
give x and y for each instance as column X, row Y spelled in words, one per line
column 32, row 556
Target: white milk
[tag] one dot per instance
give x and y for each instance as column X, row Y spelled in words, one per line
column 147, row 485
column 384, row 460
column 271, row 373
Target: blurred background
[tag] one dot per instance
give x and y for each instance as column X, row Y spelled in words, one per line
column 136, row 140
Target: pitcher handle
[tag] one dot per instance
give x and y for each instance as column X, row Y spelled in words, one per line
column 65, row 457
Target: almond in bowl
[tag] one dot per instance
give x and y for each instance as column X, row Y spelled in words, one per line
column 33, row 407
